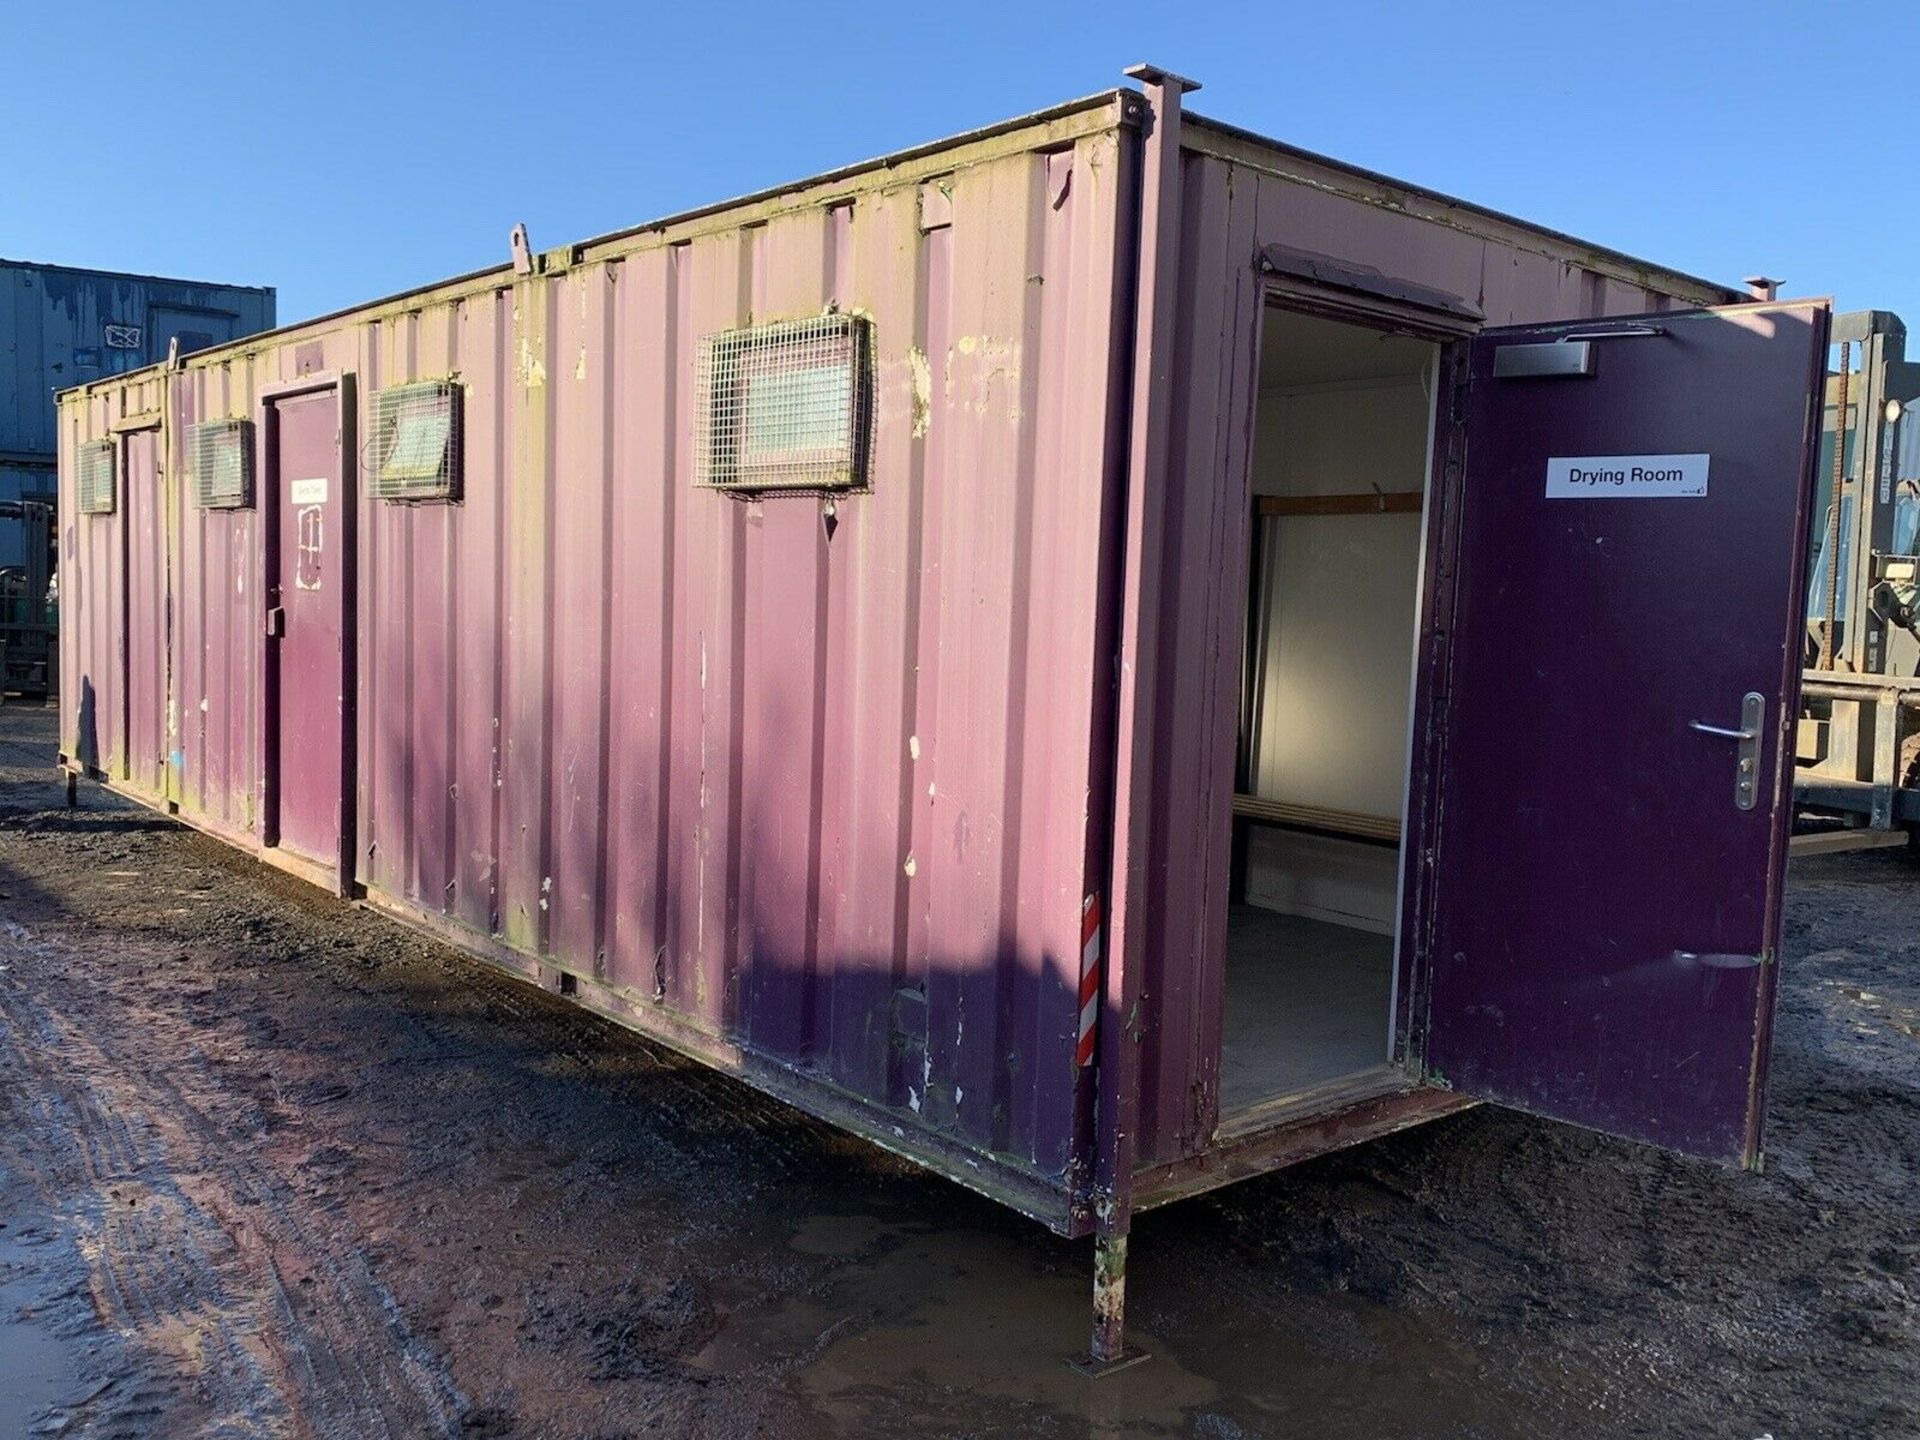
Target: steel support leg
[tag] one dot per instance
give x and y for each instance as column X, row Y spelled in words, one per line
column 1109, row 1299
column 73, row 790
column 1109, row 1351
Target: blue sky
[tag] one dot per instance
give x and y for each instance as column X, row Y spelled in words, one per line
column 347, row 150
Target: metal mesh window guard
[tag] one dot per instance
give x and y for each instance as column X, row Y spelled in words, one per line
column 414, row 450
column 221, row 453
column 96, row 478
column 786, row 406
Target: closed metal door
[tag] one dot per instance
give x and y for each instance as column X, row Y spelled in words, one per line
column 307, row 595
column 146, row 623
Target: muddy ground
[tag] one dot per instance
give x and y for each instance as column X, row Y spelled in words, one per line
column 273, row 1166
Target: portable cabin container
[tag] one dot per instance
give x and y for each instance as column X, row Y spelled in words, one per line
column 1106, row 654
column 61, row 325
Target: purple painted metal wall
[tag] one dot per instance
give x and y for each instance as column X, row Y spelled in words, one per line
column 217, row 628
column 92, row 665
column 100, row 654
column 814, row 781
column 1239, row 194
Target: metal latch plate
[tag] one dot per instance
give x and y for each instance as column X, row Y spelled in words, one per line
column 1753, row 725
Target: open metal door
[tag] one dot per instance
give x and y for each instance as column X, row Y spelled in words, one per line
column 1618, row 693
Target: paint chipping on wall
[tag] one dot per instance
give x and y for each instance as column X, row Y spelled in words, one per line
column 922, row 391
column 983, row 377
column 532, row 372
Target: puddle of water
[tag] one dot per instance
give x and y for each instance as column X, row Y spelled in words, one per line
column 920, row 1329
column 835, row 1234
column 35, row 1367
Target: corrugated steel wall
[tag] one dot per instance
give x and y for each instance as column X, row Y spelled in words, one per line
column 819, row 779
column 103, row 662
column 217, row 732
column 93, row 678
column 1238, row 196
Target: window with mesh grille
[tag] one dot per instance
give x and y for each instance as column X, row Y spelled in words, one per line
column 786, row 406
column 221, row 454
column 96, row 477
column 414, row 451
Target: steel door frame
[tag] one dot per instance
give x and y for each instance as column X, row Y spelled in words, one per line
column 1426, row 731
column 340, row 876
column 1450, row 332
column 1395, row 1095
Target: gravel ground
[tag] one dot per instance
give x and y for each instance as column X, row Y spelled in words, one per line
column 273, row 1166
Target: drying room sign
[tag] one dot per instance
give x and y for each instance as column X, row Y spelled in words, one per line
column 1626, row 477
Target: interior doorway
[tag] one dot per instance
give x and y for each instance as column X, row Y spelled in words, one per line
column 1341, row 459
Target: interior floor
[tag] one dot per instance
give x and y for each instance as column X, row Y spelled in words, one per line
column 1306, row 1002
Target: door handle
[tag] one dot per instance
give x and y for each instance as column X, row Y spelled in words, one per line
column 1746, row 761
column 1706, row 729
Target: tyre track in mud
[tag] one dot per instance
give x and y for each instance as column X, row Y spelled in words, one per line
column 156, row 1265
column 258, row 1180
column 187, row 1223
column 244, row 1275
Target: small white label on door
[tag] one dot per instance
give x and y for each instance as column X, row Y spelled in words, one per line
column 310, row 492
column 1626, row 477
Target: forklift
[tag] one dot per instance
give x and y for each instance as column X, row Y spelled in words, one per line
column 29, row 602
column 1857, row 776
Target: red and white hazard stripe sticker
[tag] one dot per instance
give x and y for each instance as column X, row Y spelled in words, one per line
column 1089, row 978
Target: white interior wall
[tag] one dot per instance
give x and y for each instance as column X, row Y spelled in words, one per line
column 1340, row 618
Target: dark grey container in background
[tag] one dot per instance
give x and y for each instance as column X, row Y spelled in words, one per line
column 62, row 326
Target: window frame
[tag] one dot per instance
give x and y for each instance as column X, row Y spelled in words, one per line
column 86, row 495
column 198, row 437
column 730, row 361
column 446, row 489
